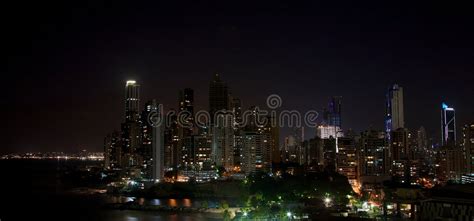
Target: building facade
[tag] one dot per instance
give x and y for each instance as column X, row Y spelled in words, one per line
column 394, row 113
column 448, row 125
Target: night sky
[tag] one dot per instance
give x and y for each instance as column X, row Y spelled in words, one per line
column 66, row 65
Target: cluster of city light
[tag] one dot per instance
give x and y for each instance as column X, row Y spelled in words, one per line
column 53, row 156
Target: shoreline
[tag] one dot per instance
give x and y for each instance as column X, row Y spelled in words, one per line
column 133, row 206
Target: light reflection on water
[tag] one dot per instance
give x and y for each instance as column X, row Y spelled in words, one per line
column 187, row 203
column 172, row 203
column 129, row 215
column 52, row 200
column 160, row 202
column 131, row 218
column 155, row 202
column 132, row 215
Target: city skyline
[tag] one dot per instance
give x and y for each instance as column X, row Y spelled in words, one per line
column 67, row 98
column 231, row 110
column 322, row 119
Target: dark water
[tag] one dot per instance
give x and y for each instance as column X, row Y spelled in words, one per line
column 34, row 190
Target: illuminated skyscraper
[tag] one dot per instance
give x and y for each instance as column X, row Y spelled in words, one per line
column 236, row 108
column 448, row 125
column 223, row 142
column 373, row 154
column 334, row 112
column 132, row 100
column 326, row 131
column 346, row 159
column 157, row 143
column 399, row 144
column 400, row 154
column 186, row 101
column 255, row 152
column 394, row 116
column 147, row 136
column 131, row 127
column 185, row 129
column 202, row 150
column 112, row 150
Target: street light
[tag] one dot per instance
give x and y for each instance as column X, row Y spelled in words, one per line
column 327, row 201
column 288, row 214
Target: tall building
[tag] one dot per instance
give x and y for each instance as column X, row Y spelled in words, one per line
column 346, row 159
column 327, row 131
column 112, row 151
column 424, row 153
column 221, row 125
column 185, row 129
column 373, row 154
column 258, row 140
column 218, row 96
column 334, row 112
column 422, row 150
column 132, row 100
column 131, row 136
column 158, row 148
column 399, row 148
column 236, row 108
column 315, row 153
column 450, row 158
column 254, row 153
column 238, row 149
column 468, row 146
column 450, row 161
column 267, row 147
column 186, row 103
column 130, row 129
column 394, row 115
column 223, row 141
column 274, row 131
column 448, row 125
column 171, row 142
column 250, row 142
column 400, row 155
column 146, row 149
column 202, row 151
column 294, row 151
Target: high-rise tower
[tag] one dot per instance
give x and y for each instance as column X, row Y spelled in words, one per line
column 132, row 100
column 448, row 125
column 468, row 146
column 334, row 112
column 394, row 115
column 130, row 129
column 218, row 96
column 222, row 152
